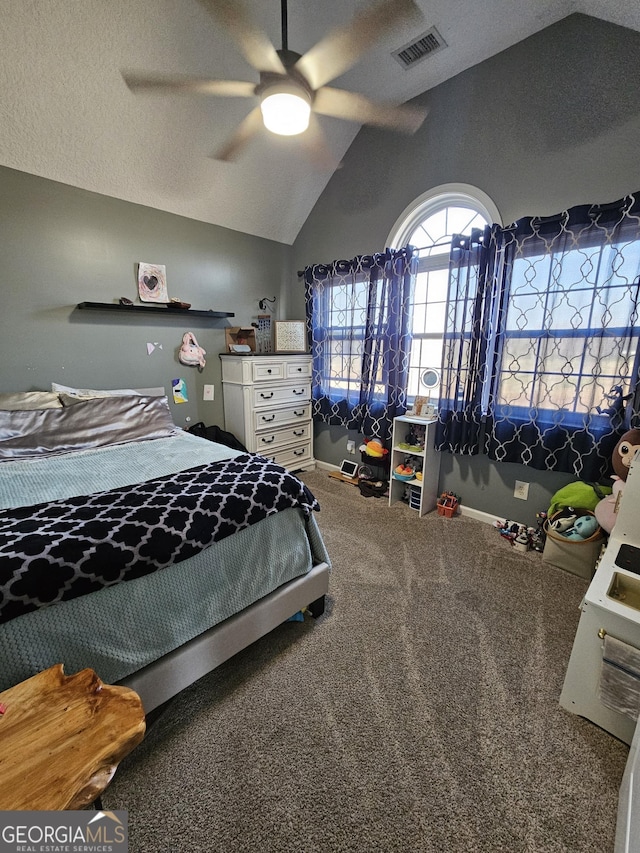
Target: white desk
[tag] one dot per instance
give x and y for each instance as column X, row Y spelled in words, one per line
column 603, row 613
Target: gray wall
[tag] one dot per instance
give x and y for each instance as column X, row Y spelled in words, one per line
column 552, row 122
column 61, row 245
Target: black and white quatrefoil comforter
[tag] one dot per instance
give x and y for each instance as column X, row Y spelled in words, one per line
column 67, row 548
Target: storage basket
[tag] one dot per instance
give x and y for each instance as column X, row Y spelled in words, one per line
column 447, row 511
column 578, row 556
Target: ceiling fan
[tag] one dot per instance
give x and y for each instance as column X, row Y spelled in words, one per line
column 292, row 86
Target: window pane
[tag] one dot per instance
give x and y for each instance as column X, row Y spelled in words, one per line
column 432, row 237
column 569, row 338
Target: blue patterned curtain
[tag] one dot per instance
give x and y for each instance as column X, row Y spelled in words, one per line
column 466, row 357
column 566, row 348
column 359, row 322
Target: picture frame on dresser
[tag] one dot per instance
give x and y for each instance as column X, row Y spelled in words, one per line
column 290, row 336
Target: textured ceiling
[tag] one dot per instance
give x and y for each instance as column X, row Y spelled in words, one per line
column 66, row 113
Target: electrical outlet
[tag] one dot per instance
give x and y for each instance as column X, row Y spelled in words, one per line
column 208, row 393
column 521, row 490
column 351, row 447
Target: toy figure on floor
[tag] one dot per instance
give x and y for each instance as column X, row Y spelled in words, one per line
column 607, row 510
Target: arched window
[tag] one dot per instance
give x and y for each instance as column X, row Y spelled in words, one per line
column 429, row 224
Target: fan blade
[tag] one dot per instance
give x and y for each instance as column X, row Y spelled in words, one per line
column 315, row 142
column 353, row 107
column 343, row 47
column 247, row 129
column 254, row 45
column 189, row 85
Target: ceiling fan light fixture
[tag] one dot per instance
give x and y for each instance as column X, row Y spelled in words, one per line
column 285, row 108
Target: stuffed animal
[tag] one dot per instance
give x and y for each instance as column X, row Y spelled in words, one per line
column 624, row 452
column 563, row 524
column 584, row 495
column 373, row 447
column 583, row 528
column 607, row 510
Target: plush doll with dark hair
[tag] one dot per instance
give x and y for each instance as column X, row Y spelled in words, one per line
column 606, row 511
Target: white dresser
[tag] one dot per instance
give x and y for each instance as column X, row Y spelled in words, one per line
column 267, row 405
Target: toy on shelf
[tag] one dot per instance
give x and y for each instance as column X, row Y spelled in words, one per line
column 404, row 472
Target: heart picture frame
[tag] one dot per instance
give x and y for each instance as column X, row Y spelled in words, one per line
column 152, row 283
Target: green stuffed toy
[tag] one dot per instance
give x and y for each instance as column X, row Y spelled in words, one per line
column 583, row 495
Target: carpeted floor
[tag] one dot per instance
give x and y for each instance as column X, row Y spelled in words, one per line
column 420, row 713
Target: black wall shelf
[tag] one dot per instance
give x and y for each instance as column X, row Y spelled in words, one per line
column 149, row 309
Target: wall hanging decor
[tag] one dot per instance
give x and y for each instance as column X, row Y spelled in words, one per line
column 263, row 333
column 179, row 389
column 152, row 283
column 191, row 353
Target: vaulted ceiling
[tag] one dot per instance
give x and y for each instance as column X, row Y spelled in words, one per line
column 66, row 113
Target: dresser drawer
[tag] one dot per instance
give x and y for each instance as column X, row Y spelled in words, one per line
column 265, row 441
column 284, row 394
column 270, row 370
column 289, row 415
column 298, row 370
column 291, row 457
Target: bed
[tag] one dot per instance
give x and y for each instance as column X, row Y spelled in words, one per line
column 140, row 551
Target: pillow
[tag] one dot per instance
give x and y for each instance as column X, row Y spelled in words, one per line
column 93, row 423
column 23, row 401
column 72, row 400
column 89, row 393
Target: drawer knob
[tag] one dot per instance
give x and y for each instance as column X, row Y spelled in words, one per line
column 299, row 452
column 267, row 419
column 297, row 413
column 299, row 370
column 298, row 391
column 298, row 432
column 269, row 370
column 266, row 396
column 268, row 440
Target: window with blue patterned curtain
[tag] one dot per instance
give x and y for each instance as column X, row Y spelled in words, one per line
column 359, row 323
column 468, row 342
column 541, row 358
column 566, row 345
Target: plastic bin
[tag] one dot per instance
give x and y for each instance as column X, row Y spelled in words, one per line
column 447, row 511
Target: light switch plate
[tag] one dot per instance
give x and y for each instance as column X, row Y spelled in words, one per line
column 208, row 393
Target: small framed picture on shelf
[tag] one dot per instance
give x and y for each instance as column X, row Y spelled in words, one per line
column 428, row 411
column 152, row 283
column 418, row 403
column 290, row 336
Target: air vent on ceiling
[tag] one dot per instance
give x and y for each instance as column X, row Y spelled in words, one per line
column 418, row 49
